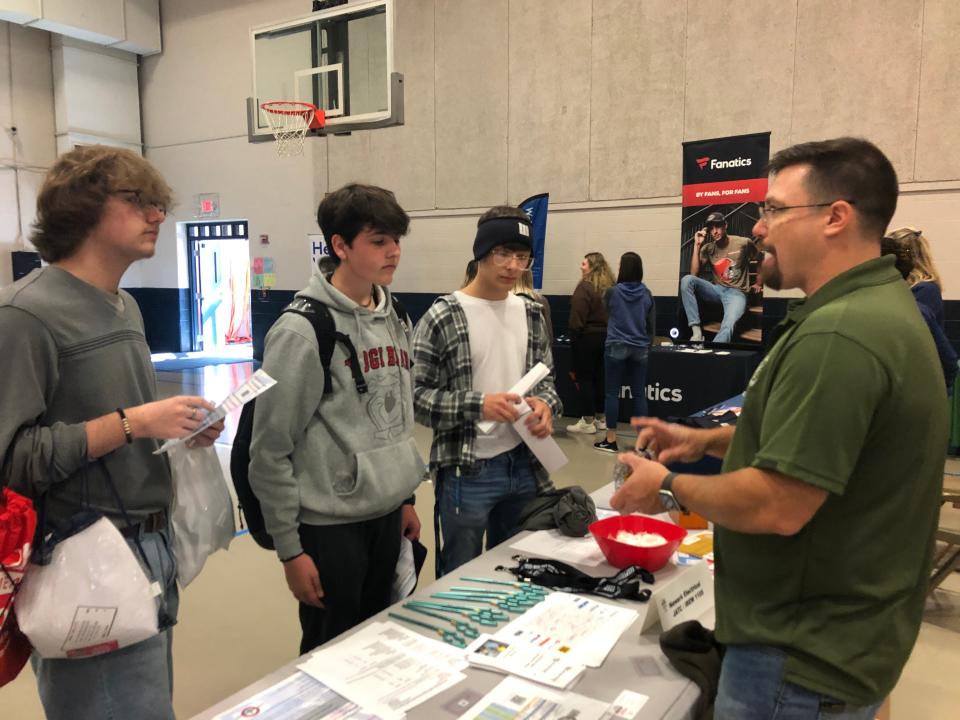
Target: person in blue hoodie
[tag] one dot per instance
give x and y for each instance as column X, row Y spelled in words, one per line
column 335, row 473
column 630, row 330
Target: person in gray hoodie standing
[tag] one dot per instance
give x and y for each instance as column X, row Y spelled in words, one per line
column 335, row 473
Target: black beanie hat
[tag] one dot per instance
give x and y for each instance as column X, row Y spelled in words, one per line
column 502, row 231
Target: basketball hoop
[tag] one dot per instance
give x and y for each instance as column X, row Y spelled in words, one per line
column 289, row 121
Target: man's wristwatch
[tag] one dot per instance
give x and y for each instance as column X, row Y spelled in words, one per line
column 667, row 498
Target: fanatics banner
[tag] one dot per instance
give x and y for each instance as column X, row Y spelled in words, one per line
column 723, row 180
column 536, row 209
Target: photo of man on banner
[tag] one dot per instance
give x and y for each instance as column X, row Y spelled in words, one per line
column 721, row 298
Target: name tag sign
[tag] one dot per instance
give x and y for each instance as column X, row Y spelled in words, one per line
column 687, row 598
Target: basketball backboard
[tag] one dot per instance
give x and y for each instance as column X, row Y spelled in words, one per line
column 340, row 59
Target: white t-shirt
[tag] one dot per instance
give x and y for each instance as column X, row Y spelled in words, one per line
column 498, row 352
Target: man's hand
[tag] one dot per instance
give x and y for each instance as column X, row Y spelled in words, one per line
column 640, row 492
column 304, row 580
column 174, row 417
column 669, row 442
column 698, row 237
column 208, row 437
column 409, row 523
column 540, row 420
column 501, row 407
column 757, row 288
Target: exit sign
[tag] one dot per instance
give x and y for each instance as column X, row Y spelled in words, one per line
column 208, row 205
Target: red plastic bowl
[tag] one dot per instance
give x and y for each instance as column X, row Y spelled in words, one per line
column 622, row 555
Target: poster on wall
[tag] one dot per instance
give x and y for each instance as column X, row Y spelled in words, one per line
column 318, row 247
column 536, row 209
column 721, row 299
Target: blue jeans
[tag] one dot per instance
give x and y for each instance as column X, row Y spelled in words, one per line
column 752, row 688
column 487, row 498
column 133, row 682
column 734, row 303
column 624, row 362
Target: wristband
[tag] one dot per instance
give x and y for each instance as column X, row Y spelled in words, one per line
column 292, row 557
column 125, row 424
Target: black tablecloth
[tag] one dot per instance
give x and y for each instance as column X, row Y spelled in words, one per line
column 678, row 383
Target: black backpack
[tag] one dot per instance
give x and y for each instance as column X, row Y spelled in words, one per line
column 327, row 336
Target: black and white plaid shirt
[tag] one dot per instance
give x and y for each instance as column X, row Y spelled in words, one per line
column 443, row 394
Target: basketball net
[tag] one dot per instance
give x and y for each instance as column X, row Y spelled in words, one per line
column 289, row 121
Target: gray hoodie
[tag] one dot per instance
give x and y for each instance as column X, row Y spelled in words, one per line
column 345, row 457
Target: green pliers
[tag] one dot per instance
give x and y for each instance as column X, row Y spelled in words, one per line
column 462, row 627
column 448, row 636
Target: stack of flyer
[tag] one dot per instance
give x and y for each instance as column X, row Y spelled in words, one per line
column 527, row 661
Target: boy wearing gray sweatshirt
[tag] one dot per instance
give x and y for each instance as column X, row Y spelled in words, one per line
column 335, row 473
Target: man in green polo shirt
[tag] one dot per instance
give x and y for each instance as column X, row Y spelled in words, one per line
column 826, row 507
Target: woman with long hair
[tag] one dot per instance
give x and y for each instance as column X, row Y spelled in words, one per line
column 913, row 255
column 588, row 331
column 524, row 286
column 630, row 332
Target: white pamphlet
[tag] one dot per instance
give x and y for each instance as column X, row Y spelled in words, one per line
column 545, row 449
column 581, row 629
column 258, row 384
column 298, row 697
column 523, row 386
column 523, row 660
column 522, row 700
column 553, row 544
column 386, row 668
column 626, row 706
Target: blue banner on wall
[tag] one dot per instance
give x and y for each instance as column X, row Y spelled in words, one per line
column 536, row 209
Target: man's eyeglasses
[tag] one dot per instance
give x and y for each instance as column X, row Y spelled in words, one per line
column 503, row 257
column 768, row 211
column 135, row 197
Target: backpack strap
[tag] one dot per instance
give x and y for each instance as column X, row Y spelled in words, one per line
column 327, row 336
column 401, row 312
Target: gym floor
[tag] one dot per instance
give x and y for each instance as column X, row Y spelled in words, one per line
column 238, row 621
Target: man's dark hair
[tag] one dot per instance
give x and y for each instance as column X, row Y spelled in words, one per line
column 631, row 268
column 847, row 168
column 348, row 211
column 503, row 211
column 76, row 189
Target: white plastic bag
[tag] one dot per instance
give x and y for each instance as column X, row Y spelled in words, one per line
column 202, row 515
column 405, row 574
column 92, row 598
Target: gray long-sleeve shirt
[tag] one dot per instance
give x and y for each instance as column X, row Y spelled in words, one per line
column 69, row 353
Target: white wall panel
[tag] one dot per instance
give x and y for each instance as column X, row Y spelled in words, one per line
column 32, row 96
column 97, row 92
column 8, row 223
column 141, row 27
column 858, row 73
column 938, row 121
column 19, row 11
column 636, row 102
column 196, row 89
column 472, row 97
column 549, row 85
column 6, row 94
column 99, row 21
column 740, row 82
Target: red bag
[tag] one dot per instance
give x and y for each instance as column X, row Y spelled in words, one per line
column 18, row 522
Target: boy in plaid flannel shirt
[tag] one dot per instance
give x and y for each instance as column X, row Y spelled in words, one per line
column 469, row 347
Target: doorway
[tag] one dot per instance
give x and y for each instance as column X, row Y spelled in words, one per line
column 219, row 286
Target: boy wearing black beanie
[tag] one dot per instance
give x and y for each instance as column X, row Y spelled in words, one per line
column 468, row 348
